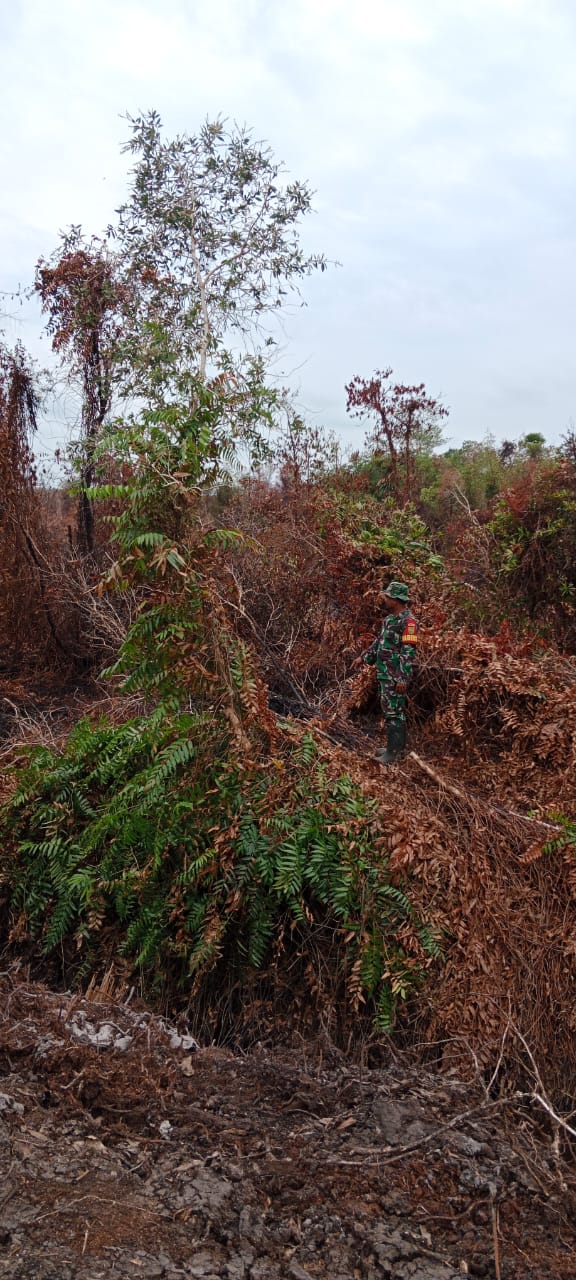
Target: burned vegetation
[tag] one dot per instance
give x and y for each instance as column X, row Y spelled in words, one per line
column 192, row 816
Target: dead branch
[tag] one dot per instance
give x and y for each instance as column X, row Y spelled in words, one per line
column 539, row 1093
column 469, row 799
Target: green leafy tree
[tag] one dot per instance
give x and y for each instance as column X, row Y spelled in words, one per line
column 533, row 444
column 477, row 472
column 173, row 299
column 208, row 242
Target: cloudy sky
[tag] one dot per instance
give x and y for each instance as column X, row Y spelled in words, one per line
column 438, row 135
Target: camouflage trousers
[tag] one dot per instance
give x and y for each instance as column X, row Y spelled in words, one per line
column 393, row 703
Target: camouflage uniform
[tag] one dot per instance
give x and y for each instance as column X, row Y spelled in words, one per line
column 393, row 654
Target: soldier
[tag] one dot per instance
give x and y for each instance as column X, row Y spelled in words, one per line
column 393, row 654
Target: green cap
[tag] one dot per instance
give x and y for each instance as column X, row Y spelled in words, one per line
column 397, row 591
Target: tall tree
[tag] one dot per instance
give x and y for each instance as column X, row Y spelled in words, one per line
column 209, row 244
column 169, row 308
column 82, row 297
column 22, row 595
column 408, row 421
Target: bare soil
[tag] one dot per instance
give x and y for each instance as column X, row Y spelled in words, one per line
column 126, row 1151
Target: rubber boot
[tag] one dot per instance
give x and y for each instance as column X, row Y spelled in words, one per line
column 396, row 741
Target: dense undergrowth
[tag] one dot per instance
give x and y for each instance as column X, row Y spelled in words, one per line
column 201, row 831
column 207, row 846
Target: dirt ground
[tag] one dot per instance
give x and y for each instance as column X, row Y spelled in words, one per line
column 127, row 1151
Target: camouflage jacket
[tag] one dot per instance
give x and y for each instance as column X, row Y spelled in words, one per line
column 394, row 650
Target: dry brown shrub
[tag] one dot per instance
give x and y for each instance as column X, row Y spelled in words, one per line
column 51, row 618
column 310, row 593
column 501, row 891
column 477, row 820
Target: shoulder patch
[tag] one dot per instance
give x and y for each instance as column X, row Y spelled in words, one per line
column 410, row 632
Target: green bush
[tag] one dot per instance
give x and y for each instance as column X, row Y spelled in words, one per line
column 154, row 828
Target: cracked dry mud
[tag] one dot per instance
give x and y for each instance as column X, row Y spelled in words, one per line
column 123, row 1153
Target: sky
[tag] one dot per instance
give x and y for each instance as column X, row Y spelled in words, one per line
column 438, row 136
